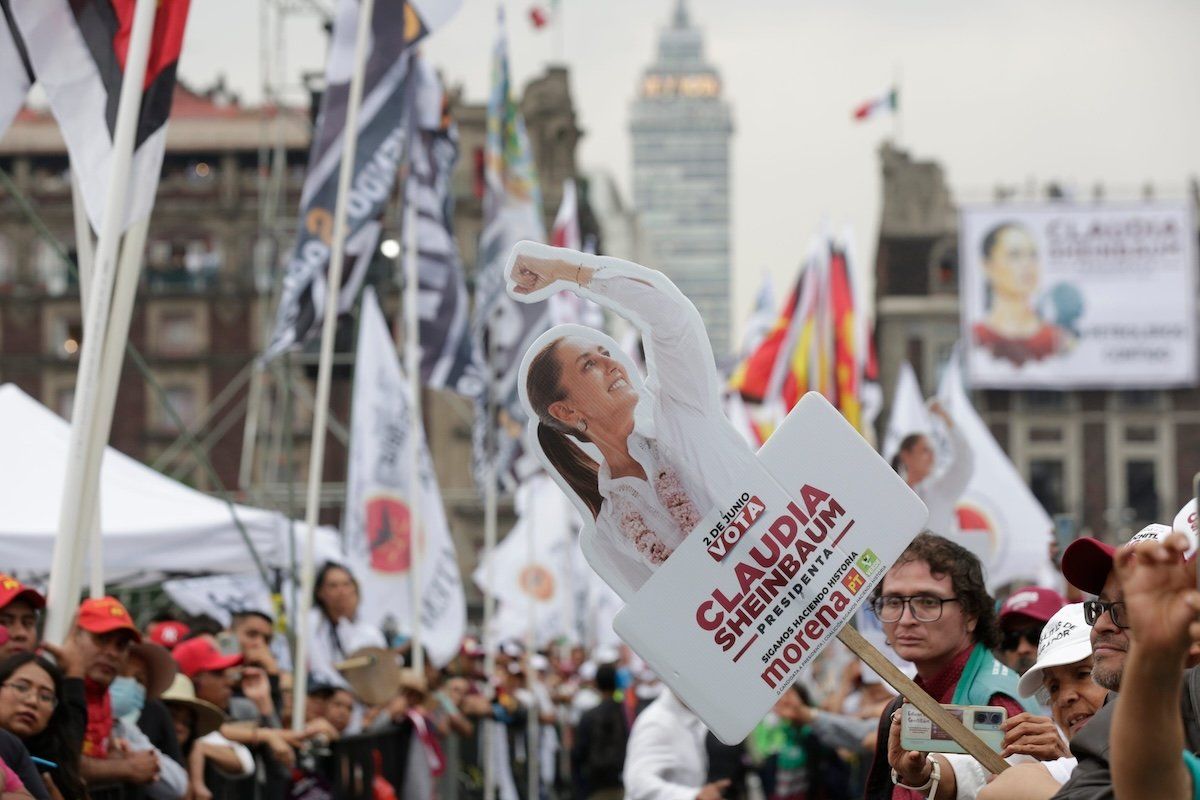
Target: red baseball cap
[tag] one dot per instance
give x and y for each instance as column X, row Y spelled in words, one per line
column 11, row 589
column 1032, row 602
column 202, row 655
column 1087, row 562
column 105, row 615
column 168, row 633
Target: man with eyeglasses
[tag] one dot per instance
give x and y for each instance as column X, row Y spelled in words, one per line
column 104, row 634
column 1022, row 618
column 1088, row 565
column 937, row 613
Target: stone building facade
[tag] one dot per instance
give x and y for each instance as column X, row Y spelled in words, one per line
column 1112, row 460
column 204, row 302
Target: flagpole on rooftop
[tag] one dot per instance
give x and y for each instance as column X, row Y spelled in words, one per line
column 897, row 108
column 88, row 426
column 333, row 285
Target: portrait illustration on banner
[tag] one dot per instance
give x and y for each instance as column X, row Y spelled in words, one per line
column 1021, row 323
column 643, row 460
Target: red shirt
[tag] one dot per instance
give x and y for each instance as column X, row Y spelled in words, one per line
column 941, row 688
column 99, row 719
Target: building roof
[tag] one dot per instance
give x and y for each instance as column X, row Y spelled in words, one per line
column 208, row 122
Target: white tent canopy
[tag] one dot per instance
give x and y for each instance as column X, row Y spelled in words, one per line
column 150, row 522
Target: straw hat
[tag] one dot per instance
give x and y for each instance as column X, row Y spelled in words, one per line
column 159, row 664
column 373, row 674
column 183, row 694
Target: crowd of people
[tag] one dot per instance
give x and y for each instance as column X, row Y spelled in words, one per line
column 1097, row 701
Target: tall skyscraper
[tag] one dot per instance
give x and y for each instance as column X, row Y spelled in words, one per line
column 681, row 129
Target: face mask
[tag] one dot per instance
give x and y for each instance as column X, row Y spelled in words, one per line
column 128, row 697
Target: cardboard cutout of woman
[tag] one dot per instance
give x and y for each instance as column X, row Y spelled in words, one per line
column 1013, row 329
column 644, row 463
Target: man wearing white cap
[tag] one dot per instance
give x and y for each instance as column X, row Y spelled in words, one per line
column 1088, row 565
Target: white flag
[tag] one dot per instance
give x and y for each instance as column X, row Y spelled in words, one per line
column 378, row 535
column 221, row 596
column 909, row 413
column 16, row 76
column 537, row 570
column 998, row 516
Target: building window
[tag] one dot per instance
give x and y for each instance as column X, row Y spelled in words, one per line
column 183, row 400
column 1046, row 401
column 187, row 394
column 1047, row 479
column 178, row 328
column 62, row 331
column 1141, row 496
column 1138, row 400
column 52, row 271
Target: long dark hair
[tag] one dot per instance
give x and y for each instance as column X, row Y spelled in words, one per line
column 318, row 582
column 543, row 386
column 52, row 743
column 906, row 444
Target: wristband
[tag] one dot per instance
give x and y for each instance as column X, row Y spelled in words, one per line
column 930, row 786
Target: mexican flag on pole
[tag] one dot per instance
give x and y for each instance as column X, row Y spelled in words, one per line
column 889, row 101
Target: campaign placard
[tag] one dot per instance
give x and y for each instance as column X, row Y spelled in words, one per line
column 736, row 569
column 746, row 627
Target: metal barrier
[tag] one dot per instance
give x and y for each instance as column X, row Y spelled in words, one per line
column 113, row 791
column 348, row 768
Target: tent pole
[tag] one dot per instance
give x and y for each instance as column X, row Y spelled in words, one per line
column 80, row 483
column 333, row 285
column 412, row 358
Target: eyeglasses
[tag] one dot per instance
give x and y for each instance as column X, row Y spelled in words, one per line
column 1093, row 610
column 1012, row 639
column 24, row 689
column 924, row 607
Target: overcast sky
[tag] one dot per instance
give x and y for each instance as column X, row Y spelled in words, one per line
column 999, row 91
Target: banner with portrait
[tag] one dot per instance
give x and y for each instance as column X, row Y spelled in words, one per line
column 1062, row 296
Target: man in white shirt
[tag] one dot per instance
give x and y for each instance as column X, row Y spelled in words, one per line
column 665, row 758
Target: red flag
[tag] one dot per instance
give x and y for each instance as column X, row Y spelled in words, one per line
column 845, row 342
column 539, row 17
column 752, row 377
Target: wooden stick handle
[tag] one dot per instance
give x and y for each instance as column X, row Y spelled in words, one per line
column 355, row 663
column 903, row 684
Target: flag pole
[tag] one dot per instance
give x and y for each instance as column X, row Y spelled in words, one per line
column 333, row 285
column 412, row 358
column 84, row 260
column 111, row 364
column 489, row 598
column 533, row 727
column 80, row 484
